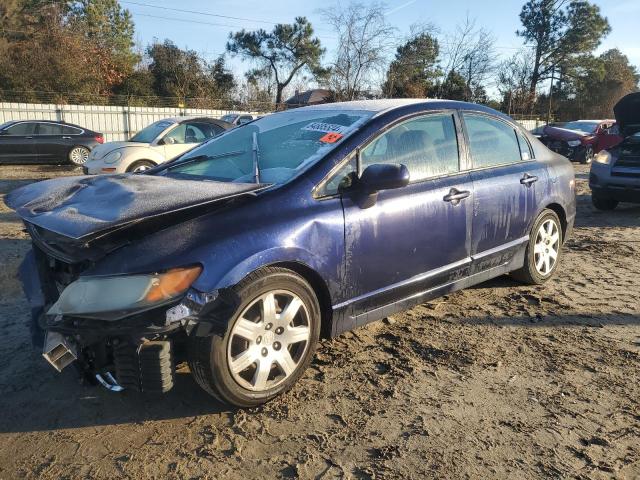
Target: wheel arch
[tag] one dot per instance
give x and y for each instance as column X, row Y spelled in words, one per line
column 319, row 287
column 562, row 215
column 132, row 165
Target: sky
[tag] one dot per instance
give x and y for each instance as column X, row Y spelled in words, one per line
column 196, row 27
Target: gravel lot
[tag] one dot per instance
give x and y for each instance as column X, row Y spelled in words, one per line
column 499, row 381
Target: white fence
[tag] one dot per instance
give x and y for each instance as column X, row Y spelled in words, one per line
column 120, row 123
column 116, row 123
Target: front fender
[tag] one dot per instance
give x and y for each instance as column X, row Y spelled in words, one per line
column 266, row 258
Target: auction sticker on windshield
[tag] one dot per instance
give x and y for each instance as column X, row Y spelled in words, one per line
column 325, row 127
column 331, row 137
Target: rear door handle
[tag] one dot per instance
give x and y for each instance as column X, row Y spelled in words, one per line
column 454, row 196
column 66, row 138
column 29, row 138
column 528, row 180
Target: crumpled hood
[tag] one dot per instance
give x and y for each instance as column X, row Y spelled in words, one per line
column 627, row 112
column 101, row 151
column 558, row 133
column 79, row 207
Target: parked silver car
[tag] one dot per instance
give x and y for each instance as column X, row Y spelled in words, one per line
column 155, row 144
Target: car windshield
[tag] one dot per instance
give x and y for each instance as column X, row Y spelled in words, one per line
column 585, row 127
column 149, row 133
column 281, row 145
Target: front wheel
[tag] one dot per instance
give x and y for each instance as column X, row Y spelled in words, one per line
column 588, row 155
column 140, row 166
column 543, row 250
column 270, row 340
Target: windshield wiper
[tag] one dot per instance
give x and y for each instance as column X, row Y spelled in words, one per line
column 256, row 153
column 200, row 158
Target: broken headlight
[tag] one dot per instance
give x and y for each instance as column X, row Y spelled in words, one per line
column 92, row 296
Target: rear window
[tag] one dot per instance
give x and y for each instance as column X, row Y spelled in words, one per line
column 49, row 129
column 491, row 141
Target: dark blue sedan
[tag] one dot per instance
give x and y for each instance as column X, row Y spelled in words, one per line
column 238, row 256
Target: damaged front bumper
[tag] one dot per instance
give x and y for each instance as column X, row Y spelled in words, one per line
column 138, row 351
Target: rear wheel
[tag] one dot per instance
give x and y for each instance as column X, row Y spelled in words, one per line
column 269, row 342
column 78, row 155
column 140, row 166
column 543, row 250
column 603, row 203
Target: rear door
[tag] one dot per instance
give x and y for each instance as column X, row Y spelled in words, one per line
column 508, row 185
column 17, row 144
column 51, row 146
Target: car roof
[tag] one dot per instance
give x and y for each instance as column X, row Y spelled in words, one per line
column 381, row 106
column 42, row 120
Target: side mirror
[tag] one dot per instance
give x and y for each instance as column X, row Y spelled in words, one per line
column 161, row 141
column 381, row 176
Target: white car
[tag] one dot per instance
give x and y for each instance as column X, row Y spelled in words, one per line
column 154, row 144
column 237, row 119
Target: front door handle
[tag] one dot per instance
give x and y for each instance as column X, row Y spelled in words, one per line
column 66, row 138
column 454, row 196
column 528, row 180
column 29, row 138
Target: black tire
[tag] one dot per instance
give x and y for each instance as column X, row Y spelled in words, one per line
column 603, row 203
column 529, row 274
column 78, row 155
column 588, row 155
column 140, row 165
column 208, row 359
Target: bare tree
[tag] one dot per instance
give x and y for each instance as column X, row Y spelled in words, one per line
column 364, row 39
column 513, row 80
column 469, row 51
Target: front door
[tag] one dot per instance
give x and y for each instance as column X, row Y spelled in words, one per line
column 17, row 144
column 414, row 238
column 508, row 185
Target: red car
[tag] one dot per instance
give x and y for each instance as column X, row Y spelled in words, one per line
column 579, row 141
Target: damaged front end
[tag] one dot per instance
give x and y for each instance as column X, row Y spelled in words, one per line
column 120, row 331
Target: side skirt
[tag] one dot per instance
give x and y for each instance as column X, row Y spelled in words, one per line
column 344, row 321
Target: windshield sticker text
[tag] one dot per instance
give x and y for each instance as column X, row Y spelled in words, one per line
column 325, row 127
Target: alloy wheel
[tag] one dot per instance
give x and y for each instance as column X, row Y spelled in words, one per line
column 268, row 340
column 79, row 155
column 546, row 247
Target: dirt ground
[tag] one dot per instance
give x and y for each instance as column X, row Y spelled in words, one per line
column 498, row 381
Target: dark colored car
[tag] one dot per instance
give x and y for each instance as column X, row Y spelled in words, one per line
column 309, row 222
column 579, row 141
column 615, row 173
column 46, row 141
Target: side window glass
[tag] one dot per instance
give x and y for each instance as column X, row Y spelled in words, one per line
column 177, row 135
column 194, row 133
column 340, row 179
column 22, row 129
column 491, row 142
column 66, row 130
column 525, row 149
column 426, row 145
column 49, row 129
